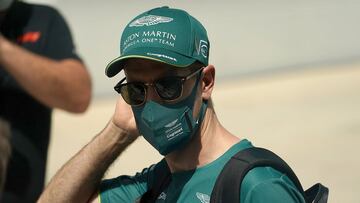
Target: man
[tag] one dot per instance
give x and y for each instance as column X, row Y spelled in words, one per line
column 166, row 97
column 39, row 70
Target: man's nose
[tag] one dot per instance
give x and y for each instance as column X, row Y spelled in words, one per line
column 152, row 94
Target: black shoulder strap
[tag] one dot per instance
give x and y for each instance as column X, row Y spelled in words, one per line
column 317, row 194
column 162, row 178
column 228, row 185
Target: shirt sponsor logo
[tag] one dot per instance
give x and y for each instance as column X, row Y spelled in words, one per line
column 150, row 20
column 29, row 37
column 204, row 198
column 162, row 196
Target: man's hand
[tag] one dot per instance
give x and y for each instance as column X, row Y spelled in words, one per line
column 124, row 118
column 78, row 180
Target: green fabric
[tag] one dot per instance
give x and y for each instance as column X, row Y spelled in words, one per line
column 262, row 184
column 163, row 34
column 168, row 127
column 265, row 184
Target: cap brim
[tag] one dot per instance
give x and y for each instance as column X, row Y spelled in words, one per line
column 150, row 53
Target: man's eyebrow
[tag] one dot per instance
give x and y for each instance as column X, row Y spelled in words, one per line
column 178, row 71
column 171, row 72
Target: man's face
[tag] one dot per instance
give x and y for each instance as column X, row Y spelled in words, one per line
column 164, row 98
column 148, row 71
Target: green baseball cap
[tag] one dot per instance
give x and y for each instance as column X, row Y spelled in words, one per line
column 163, row 34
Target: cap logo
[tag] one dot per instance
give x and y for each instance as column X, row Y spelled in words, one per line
column 162, row 56
column 203, row 48
column 150, row 20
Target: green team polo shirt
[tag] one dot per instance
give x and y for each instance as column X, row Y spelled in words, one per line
column 262, row 184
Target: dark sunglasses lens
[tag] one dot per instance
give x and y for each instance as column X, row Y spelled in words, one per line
column 133, row 94
column 169, row 88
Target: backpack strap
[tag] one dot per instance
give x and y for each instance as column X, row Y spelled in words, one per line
column 162, row 179
column 317, row 194
column 228, row 184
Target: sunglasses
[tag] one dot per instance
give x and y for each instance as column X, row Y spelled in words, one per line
column 169, row 89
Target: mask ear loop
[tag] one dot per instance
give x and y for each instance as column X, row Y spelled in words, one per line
column 204, row 104
column 202, row 112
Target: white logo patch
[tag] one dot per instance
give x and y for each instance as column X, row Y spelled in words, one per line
column 204, row 198
column 150, row 20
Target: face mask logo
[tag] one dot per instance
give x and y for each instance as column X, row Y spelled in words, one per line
column 169, row 126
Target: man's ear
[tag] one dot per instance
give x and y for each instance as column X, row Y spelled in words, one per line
column 208, row 81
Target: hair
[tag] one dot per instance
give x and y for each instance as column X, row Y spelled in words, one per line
column 5, row 150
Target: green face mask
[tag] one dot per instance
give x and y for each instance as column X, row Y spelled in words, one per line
column 168, row 127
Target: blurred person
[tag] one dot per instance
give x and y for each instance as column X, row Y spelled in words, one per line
column 166, row 98
column 39, row 71
column 4, row 151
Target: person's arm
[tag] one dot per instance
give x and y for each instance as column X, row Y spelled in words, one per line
column 62, row 84
column 78, row 180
